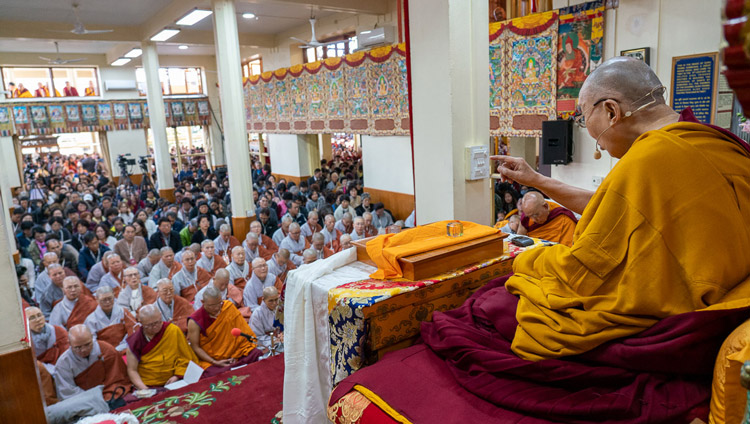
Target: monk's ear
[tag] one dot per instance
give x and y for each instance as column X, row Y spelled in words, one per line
column 613, row 111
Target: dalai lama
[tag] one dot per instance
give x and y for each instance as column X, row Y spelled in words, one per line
column 623, row 326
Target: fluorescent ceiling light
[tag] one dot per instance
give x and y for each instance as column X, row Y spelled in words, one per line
column 121, row 61
column 134, row 53
column 165, row 34
column 248, row 15
column 182, row 47
column 194, row 17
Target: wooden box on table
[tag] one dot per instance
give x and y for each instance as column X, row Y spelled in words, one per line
column 394, row 323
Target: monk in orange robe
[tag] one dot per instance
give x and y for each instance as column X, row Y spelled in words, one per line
column 87, row 364
column 48, row 341
column 75, row 307
column 209, row 260
column 21, row 91
column 48, row 384
column 547, row 220
column 210, row 334
column 90, row 90
column 158, row 353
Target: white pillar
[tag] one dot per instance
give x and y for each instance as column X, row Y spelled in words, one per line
column 456, row 116
column 13, row 330
column 157, row 120
column 233, row 109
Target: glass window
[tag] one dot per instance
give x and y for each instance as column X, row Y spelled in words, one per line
column 177, row 81
column 174, row 81
column 187, row 145
column 47, row 81
column 341, row 46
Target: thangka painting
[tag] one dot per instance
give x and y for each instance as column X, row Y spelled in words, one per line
column 178, row 113
column 40, row 120
column 204, row 112
column 21, row 120
column 523, row 69
column 364, row 93
column 580, row 50
column 106, row 119
column 88, row 117
column 191, row 113
column 6, row 125
column 57, row 119
column 73, row 121
column 120, row 115
column 135, row 115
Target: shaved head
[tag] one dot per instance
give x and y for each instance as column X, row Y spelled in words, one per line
column 623, row 78
column 148, row 311
column 535, row 207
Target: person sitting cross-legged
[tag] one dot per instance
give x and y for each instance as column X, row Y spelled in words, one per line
column 158, row 352
column 74, row 307
column 48, row 341
column 110, row 322
column 262, row 319
column 190, row 279
column 210, row 335
column 135, row 294
column 174, row 309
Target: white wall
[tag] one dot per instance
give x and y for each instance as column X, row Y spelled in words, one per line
column 117, row 73
column 285, row 155
column 387, row 163
column 121, row 142
column 670, row 28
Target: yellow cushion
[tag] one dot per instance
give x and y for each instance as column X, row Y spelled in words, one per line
column 728, row 397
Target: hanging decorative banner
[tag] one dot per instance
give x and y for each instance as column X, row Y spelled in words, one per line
column 146, row 123
column 106, row 120
column 6, row 125
column 580, row 49
column 40, row 120
column 120, row 115
column 57, row 119
column 136, row 116
column 522, row 74
column 204, row 112
column 21, row 120
column 168, row 114
column 191, row 113
column 178, row 114
column 73, row 118
column 363, row 93
column 88, row 117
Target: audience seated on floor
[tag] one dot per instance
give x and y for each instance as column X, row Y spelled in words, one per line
column 114, row 278
column 48, row 341
column 158, row 352
column 135, row 294
column 294, row 243
column 74, row 307
column 228, row 291
column 174, row 309
column 166, row 268
column 147, row 264
column 239, row 269
column 209, row 260
column 261, row 322
column 225, row 242
column 109, row 322
column 260, row 279
column 191, row 278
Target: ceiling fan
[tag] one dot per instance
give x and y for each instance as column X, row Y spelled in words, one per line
column 59, row 60
column 79, row 29
column 313, row 41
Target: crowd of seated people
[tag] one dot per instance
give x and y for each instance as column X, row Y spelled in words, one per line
column 108, row 272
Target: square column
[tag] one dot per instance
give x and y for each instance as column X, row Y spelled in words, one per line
column 450, row 106
column 293, row 157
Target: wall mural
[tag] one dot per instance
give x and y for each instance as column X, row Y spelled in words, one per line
column 88, row 116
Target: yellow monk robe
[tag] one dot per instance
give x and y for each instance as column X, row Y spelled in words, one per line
column 216, row 334
column 644, row 248
column 165, row 355
column 385, row 250
column 559, row 227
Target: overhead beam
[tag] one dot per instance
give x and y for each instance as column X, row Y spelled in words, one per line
column 369, row 7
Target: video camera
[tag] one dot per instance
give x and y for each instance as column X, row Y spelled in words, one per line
column 124, row 161
column 143, row 163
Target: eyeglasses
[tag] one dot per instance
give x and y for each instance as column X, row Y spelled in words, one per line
column 83, row 346
column 579, row 117
column 152, row 325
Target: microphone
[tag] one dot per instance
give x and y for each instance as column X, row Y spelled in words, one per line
column 236, row 332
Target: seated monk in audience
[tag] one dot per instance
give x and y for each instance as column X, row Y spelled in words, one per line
column 546, row 220
column 345, row 224
column 331, row 234
column 280, row 264
column 253, row 249
column 89, row 363
column 294, row 243
column 166, row 268
column 99, row 270
column 147, row 264
column 135, row 294
column 42, row 280
column 74, row 307
column 346, row 242
column 239, row 269
column 370, row 230
column 210, row 335
column 358, row 233
column 113, row 278
column 158, row 352
column 48, row 341
column 225, row 242
column 318, row 244
column 190, row 279
column 228, row 291
column 265, row 241
column 311, row 226
column 109, row 322
column 173, row 309
column 209, row 260
column 280, row 234
column 53, row 293
column 261, row 279
column 309, row 256
column 262, row 320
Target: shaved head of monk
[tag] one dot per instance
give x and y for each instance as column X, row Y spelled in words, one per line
column 535, row 207
column 150, row 319
column 81, row 340
column 221, row 279
column 613, row 100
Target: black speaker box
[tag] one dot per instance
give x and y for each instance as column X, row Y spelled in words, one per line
column 557, row 142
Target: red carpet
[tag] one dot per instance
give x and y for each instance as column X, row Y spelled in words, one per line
column 251, row 394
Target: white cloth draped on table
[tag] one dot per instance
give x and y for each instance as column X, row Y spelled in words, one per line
column 307, row 350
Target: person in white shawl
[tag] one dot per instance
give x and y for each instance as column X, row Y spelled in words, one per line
column 294, row 243
column 260, row 280
column 358, row 233
column 261, row 321
column 135, row 294
column 106, row 314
